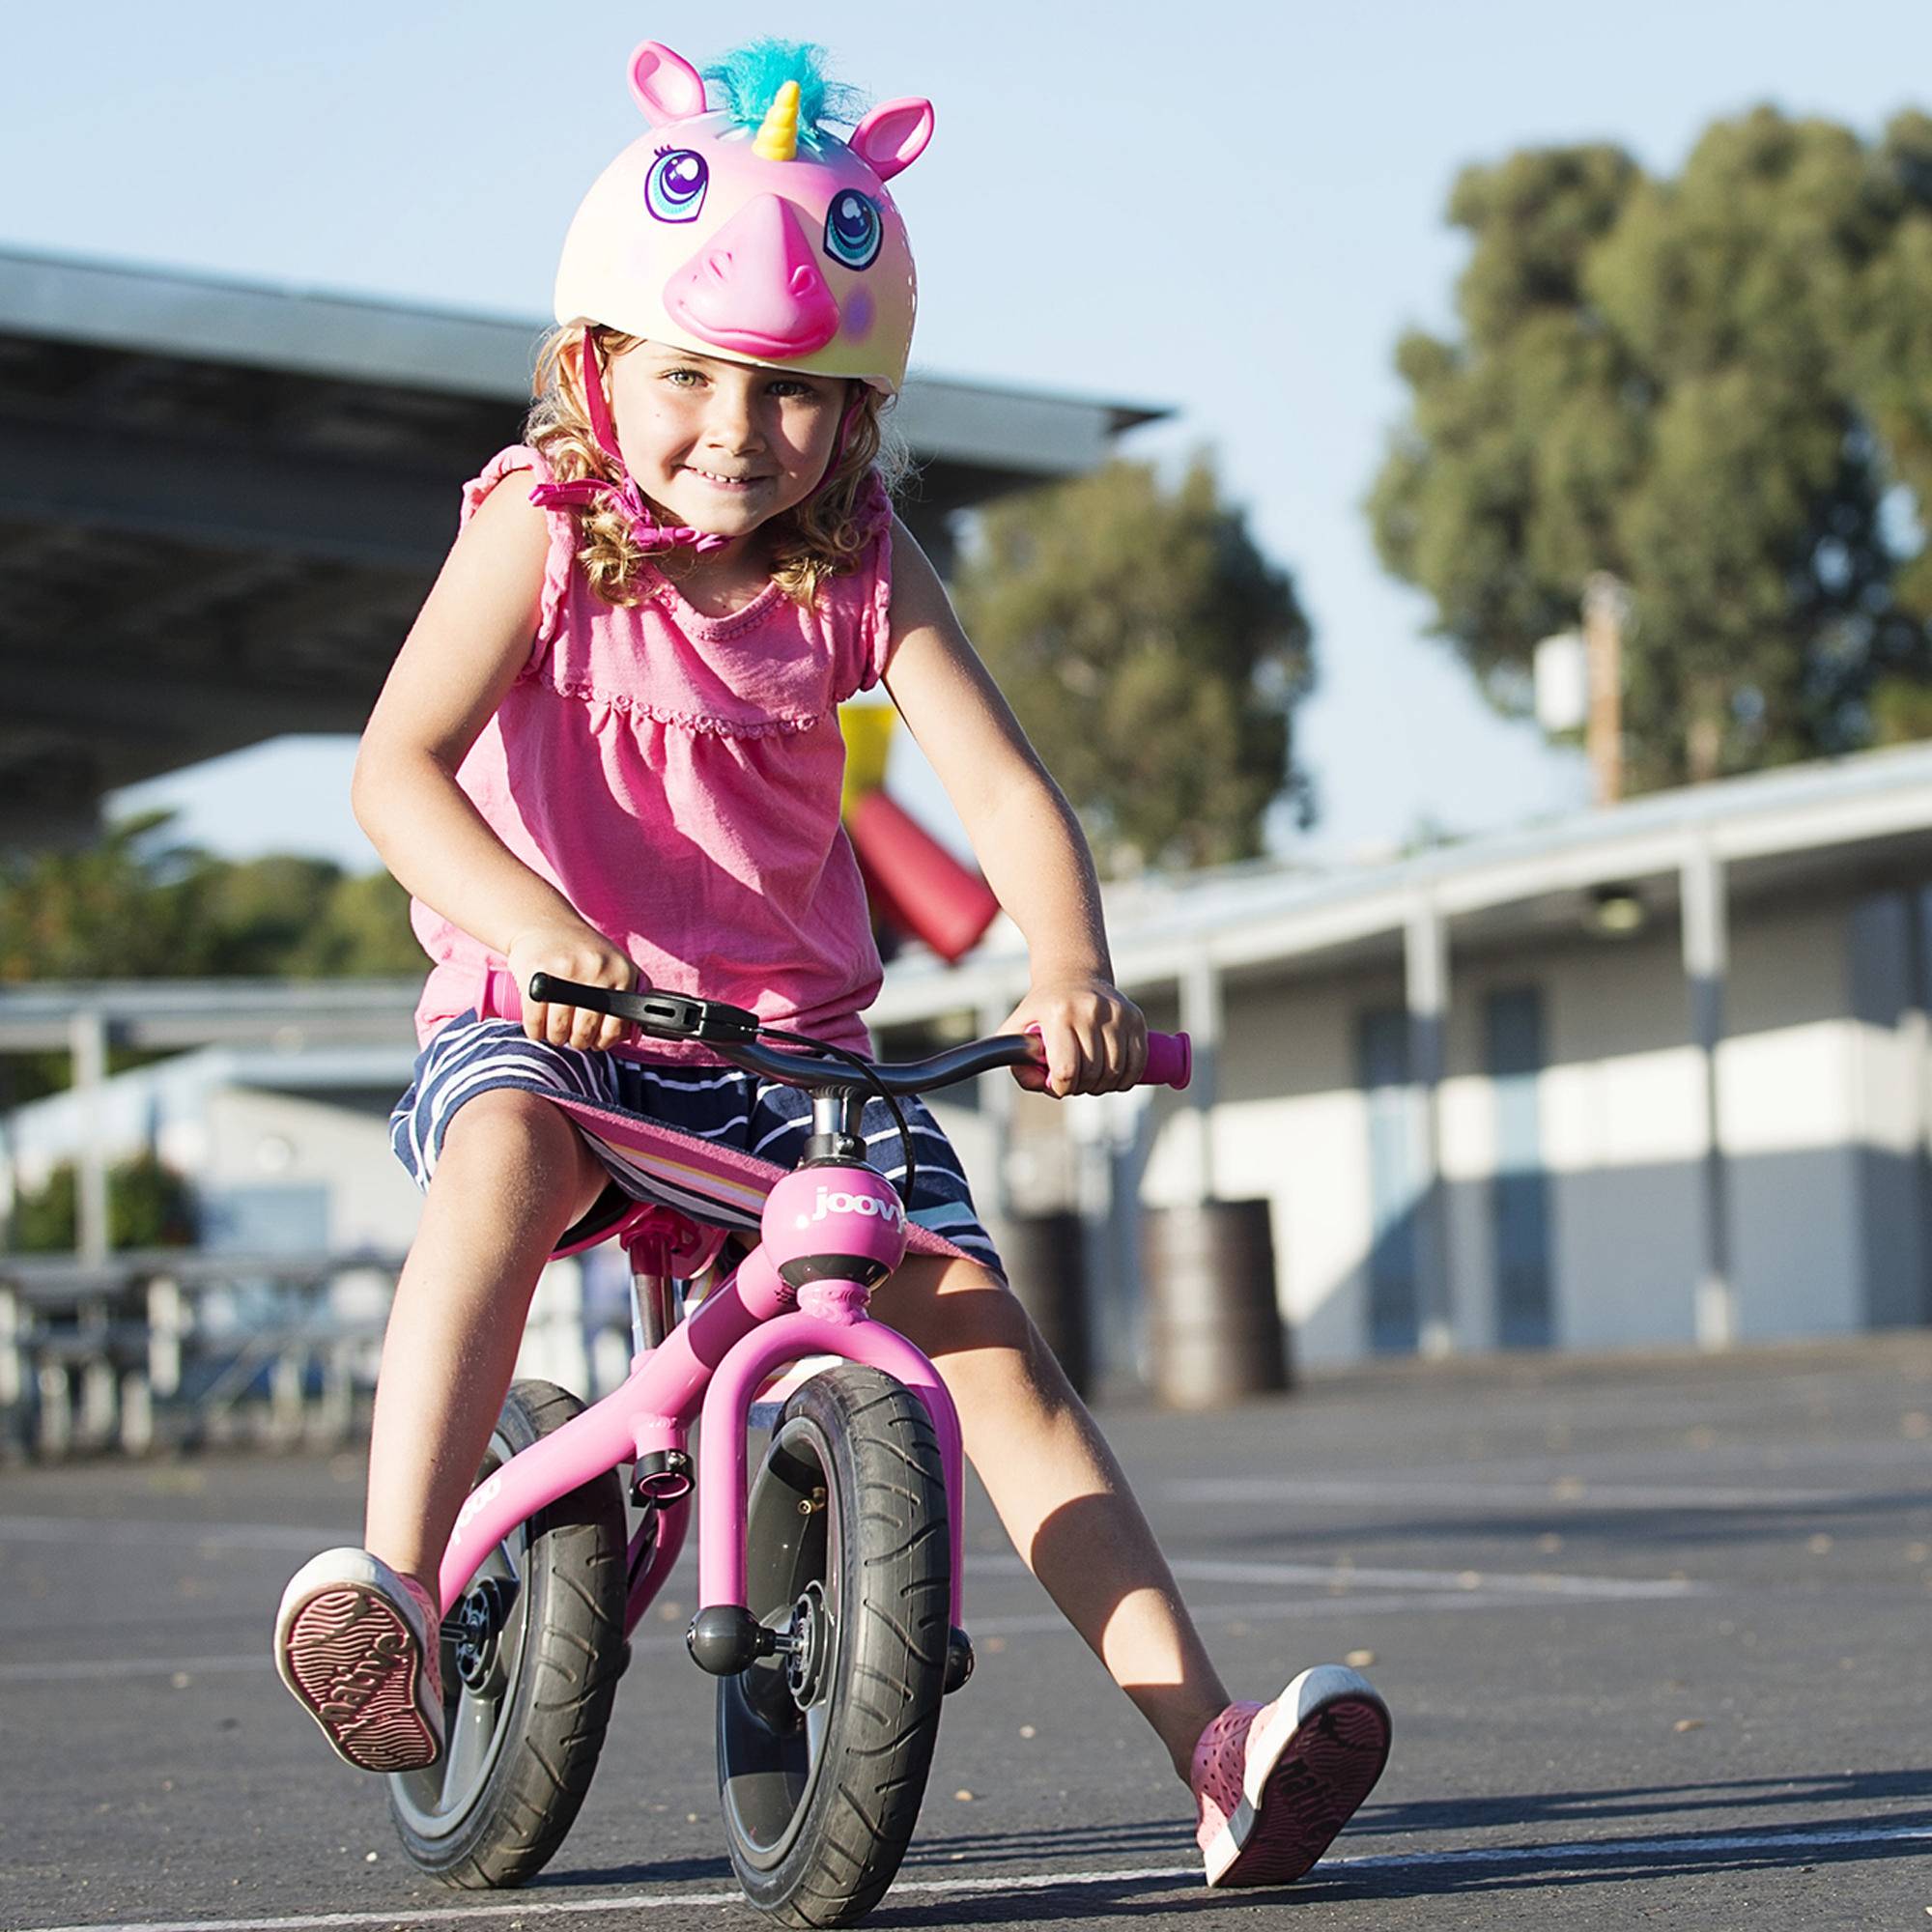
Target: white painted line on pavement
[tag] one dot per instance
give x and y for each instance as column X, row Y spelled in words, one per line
column 1598, row 1851
column 1355, row 1592
column 1565, row 1492
column 155, row 1529
column 63, row 1529
column 1046, row 1622
column 1274, row 1610
column 1576, row 1853
column 1347, row 1576
column 66, row 1668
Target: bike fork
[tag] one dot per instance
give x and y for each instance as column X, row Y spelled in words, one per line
column 724, row 1636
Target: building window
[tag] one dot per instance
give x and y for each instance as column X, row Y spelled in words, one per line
column 1395, row 1194
column 1519, row 1191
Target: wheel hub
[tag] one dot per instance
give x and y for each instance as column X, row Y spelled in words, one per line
column 811, row 1633
column 478, row 1621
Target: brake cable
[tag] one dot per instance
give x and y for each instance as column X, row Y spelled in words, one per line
column 877, row 1086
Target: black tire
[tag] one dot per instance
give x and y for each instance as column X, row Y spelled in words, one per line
column 823, row 1754
column 527, row 1693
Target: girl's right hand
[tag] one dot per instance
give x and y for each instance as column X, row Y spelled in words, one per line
column 571, row 951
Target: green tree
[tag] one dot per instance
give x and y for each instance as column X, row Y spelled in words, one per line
column 122, row 908
column 258, row 915
column 136, row 907
column 1153, row 654
column 149, row 1206
column 1719, row 387
column 364, row 929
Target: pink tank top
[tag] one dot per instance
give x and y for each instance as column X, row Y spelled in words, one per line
column 676, row 776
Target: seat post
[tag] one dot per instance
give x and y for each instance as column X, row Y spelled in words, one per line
column 653, row 1305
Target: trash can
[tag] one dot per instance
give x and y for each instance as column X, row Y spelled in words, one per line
column 1045, row 1258
column 1213, row 1331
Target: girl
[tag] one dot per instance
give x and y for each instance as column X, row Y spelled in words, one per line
column 609, row 751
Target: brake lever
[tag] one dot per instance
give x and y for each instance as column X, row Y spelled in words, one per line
column 660, row 1014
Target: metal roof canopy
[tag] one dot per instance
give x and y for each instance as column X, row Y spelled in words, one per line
column 225, row 503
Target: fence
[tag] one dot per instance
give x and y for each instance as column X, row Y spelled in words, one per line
column 179, row 1348
column 176, row 1348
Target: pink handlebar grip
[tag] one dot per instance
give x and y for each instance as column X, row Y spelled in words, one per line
column 1169, row 1061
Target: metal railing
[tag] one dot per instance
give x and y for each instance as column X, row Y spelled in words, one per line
column 173, row 1348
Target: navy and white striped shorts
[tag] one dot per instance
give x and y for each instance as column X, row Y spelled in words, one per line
column 720, row 1104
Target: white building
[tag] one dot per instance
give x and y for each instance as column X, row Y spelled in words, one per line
column 287, row 1150
column 1646, row 1076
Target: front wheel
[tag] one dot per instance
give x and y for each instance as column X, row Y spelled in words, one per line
column 823, row 1748
column 530, row 1662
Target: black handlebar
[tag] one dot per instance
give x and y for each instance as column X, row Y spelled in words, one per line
column 733, row 1033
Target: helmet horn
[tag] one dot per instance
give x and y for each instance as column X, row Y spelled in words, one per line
column 777, row 137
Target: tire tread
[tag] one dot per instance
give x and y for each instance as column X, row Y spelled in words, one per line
column 887, row 1716
column 540, row 1781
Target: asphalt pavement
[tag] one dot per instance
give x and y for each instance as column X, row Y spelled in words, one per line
column 1652, row 1631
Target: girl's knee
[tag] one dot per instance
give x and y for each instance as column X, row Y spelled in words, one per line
column 969, row 1321
column 520, row 1136
column 508, row 1115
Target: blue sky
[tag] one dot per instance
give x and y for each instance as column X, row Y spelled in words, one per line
column 1233, row 209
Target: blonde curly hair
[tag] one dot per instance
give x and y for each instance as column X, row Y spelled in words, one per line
column 822, row 537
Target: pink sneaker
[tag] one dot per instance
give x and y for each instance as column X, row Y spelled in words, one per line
column 1275, row 1782
column 358, row 1644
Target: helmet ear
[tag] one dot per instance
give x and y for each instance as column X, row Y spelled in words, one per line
column 893, row 136
column 666, row 86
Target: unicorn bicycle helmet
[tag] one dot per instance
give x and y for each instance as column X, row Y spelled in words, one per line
column 750, row 232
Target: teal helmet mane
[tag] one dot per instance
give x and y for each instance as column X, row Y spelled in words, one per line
column 749, row 78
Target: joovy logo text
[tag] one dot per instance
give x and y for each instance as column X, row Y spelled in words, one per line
column 489, row 1492
column 842, row 1203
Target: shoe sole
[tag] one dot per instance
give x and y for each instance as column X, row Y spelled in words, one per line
column 355, row 1665
column 1310, row 1785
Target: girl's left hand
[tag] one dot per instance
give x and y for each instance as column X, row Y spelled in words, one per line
column 1093, row 1038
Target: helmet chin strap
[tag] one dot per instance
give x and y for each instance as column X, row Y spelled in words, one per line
column 651, row 536
column 844, row 436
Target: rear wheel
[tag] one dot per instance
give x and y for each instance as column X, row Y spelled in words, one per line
column 823, row 1748
column 530, row 1662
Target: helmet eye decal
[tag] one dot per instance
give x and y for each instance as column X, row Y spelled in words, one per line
column 675, row 189
column 853, row 229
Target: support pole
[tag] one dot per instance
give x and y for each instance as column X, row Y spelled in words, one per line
column 1204, row 1017
column 17, row 1362
column 86, row 1043
column 138, row 1413
column 1915, row 1030
column 167, row 1324
column 1426, row 990
column 994, row 1191
column 1706, row 961
column 1605, row 612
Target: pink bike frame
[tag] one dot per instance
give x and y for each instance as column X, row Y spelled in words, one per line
column 710, row 1368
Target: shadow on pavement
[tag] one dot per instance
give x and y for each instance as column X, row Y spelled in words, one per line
column 1653, row 1853
column 1657, row 1804
column 654, row 1871
column 1169, row 1840
column 1613, row 1862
